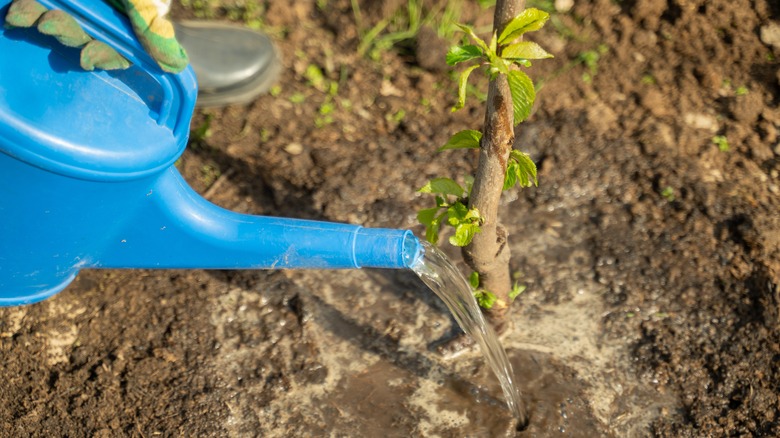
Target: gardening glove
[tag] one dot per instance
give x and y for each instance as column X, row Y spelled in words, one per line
column 147, row 18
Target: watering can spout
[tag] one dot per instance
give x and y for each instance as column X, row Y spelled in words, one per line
column 162, row 223
column 174, row 227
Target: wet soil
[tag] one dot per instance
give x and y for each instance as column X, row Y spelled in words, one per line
column 651, row 257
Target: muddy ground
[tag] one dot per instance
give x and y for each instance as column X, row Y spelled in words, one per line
column 651, row 256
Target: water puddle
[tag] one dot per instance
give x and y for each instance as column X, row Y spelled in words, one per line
column 437, row 271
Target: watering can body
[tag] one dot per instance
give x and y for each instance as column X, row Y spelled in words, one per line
column 87, row 176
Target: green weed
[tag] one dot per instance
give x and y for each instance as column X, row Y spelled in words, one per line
column 668, row 194
column 405, row 24
column 721, row 142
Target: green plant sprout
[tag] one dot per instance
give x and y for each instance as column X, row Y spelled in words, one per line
column 487, row 299
column 316, row 78
column 297, row 98
column 591, row 60
column 721, row 142
column 648, row 79
column 453, row 212
column 668, row 193
column 503, row 56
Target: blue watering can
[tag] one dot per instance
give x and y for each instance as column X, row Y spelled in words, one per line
column 87, row 176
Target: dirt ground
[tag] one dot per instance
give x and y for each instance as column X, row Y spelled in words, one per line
column 651, row 256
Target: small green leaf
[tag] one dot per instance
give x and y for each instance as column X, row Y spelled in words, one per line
column 462, row 81
column 525, row 50
column 529, row 20
column 493, row 46
column 457, row 213
column 668, row 193
column 432, row 223
column 470, row 32
column 499, row 65
column 517, row 289
column 297, row 98
column 526, row 168
column 523, row 94
column 474, row 280
column 485, row 299
column 721, row 142
column 464, row 233
column 458, row 54
column 316, row 77
column 510, row 178
column 473, row 215
column 521, row 169
column 466, row 139
column 432, row 231
column 427, row 215
column 444, row 186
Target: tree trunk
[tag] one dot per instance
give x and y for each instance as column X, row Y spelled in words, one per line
column 488, row 253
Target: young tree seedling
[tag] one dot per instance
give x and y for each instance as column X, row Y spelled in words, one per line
column 472, row 209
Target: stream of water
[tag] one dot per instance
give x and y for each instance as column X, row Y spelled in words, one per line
column 437, row 271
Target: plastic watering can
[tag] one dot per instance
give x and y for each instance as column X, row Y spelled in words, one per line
column 87, row 177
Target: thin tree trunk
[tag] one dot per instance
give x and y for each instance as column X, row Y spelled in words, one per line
column 488, row 254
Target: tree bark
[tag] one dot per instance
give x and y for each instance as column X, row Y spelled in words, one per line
column 488, row 253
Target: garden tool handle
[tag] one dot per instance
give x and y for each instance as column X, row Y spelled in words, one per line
column 103, row 22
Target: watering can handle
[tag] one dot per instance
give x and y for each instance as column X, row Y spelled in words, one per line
column 108, row 25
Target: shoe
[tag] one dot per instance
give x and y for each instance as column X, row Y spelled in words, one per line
column 233, row 64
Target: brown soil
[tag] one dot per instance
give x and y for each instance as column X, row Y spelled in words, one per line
column 652, row 258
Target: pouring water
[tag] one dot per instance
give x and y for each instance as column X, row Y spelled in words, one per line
column 437, row 271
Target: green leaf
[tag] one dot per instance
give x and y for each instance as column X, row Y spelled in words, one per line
column 457, row 213
column 464, row 233
column 517, row 289
column 499, row 65
column 721, row 142
column 668, row 193
column 470, row 32
column 474, row 280
column 466, row 139
column 316, row 77
column 432, row 231
column 529, row 20
column 510, row 178
column 458, row 54
column 473, row 215
column 523, row 94
column 427, row 215
column 444, row 186
column 462, row 81
column 525, row 50
column 524, row 169
column 432, row 223
column 485, row 299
